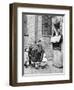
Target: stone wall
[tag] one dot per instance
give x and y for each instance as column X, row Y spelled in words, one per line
column 31, row 31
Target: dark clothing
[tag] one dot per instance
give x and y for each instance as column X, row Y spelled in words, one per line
column 36, row 54
column 57, row 45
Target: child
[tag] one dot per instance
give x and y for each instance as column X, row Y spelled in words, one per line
column 44, row 61
column 26, row 58
column 44, row 58
column 57, row 40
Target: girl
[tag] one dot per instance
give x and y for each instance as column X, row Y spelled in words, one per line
column 26, row 58
column 56, row 41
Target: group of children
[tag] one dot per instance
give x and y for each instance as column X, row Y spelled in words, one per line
column 35, row 56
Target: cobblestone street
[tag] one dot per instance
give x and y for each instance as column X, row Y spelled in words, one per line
column 49, row 69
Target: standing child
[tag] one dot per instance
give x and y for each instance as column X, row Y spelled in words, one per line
column 57, row 40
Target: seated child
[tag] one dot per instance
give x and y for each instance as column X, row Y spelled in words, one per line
column 44, row 62
column 26, row 58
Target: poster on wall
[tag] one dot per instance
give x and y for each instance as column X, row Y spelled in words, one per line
column 40, row 44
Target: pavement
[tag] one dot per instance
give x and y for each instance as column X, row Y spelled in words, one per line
column 47, row 70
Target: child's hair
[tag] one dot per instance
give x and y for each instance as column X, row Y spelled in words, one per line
column 26, row 49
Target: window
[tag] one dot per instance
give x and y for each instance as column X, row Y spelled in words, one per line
column 46, row 25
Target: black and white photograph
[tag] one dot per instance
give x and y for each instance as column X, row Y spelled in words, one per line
column 42, row 43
